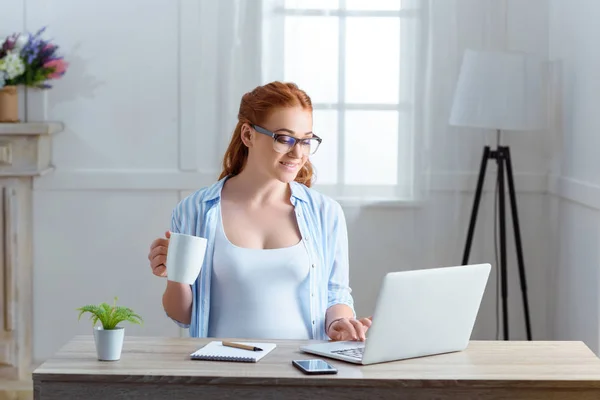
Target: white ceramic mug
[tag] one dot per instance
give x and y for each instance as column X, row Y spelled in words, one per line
column 185, row 256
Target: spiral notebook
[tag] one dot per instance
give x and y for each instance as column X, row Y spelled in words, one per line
column 215, row 351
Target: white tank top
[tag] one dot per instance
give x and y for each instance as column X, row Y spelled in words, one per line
column 259, row 294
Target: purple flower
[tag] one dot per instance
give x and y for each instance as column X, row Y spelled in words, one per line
column 8, row 45
column 34, row 46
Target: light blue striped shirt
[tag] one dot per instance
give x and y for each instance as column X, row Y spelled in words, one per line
column 323, row 228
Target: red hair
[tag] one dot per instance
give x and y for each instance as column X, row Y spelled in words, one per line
column 255, row 108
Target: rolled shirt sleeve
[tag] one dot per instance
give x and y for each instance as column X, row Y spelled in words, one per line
column 339, row 291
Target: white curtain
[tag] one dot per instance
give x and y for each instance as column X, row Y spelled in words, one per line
column 230, row 65
column 450, row 156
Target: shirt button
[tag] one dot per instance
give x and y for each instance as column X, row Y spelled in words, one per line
column 313, row 265
column 313, row 322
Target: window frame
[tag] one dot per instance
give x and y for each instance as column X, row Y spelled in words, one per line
column 408, row 184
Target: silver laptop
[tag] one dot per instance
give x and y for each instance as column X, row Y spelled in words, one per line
column 418, row 313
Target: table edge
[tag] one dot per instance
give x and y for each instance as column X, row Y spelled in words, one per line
column 319, row 380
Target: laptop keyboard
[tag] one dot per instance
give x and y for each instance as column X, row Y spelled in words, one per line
column 356, row 352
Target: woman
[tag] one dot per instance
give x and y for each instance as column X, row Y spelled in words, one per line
column 276, row 265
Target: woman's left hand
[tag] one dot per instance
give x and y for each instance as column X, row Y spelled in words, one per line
column 349, row 329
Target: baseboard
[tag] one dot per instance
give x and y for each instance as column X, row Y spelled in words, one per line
column 16, row 390
column 583, row 193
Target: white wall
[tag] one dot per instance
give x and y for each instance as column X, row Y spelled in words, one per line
column 128, row 155
column 576, row 169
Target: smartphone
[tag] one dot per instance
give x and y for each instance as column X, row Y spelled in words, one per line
column 314, row 367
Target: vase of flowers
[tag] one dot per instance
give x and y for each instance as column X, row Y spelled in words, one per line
column 30, row 61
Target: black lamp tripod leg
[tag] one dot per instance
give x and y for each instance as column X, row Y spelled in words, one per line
column 484, row 159
column 503, row 160
column 519, row 248
column 502, row 211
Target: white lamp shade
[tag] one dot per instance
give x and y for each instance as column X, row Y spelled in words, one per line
column 499, row 90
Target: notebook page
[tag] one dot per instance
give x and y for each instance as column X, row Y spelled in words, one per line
column 216, row 351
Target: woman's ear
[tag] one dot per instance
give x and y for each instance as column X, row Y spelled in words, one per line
column 247, row 134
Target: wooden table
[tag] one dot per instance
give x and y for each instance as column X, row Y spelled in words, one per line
column 159, row 368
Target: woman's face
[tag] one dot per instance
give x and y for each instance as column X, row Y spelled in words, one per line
column 283, row 157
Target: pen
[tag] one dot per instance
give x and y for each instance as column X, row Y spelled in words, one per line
column 241, row 346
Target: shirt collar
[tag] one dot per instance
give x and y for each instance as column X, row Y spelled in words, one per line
column 299, row 191
column 213, row 192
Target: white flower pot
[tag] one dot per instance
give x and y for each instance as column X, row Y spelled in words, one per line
column 109, row 343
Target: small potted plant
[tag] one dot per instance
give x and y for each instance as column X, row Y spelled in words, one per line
column 109, row 336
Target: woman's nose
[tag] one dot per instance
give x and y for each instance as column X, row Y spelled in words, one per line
column 296, row 151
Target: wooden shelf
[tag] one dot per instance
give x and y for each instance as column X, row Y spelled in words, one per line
column 25, row 148
column 31, row 128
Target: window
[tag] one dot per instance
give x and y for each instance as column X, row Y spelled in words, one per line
column 357, row 60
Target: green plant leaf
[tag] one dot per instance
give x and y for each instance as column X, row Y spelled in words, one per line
column 110, row 316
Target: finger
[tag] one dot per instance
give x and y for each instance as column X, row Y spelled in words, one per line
column 359, row 329
column 366, row 322
column 339, row 334
column 336, row 331
column 157, row 251
column 159, row 242
column 335, row 335
column 161, row 271
column 347, row 329
column 168, row 234
column 158, row 260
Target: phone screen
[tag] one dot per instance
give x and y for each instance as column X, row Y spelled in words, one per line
column 315, row 366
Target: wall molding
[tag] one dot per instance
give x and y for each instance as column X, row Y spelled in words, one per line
column 584, row 193
column 67, row 180
column 569, row 189
column 78, row 180
column 467, row 182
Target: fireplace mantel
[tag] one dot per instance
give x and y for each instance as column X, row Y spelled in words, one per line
column 26, row 149
column 25, row 153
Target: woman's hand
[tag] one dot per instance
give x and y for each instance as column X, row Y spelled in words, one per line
column 349, row 329
column 158, row 255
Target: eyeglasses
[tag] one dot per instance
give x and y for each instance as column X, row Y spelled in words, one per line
column 285, row 143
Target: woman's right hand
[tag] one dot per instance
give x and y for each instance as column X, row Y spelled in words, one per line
column 158, row 255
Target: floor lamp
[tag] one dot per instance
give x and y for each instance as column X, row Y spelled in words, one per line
column 500, row 91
